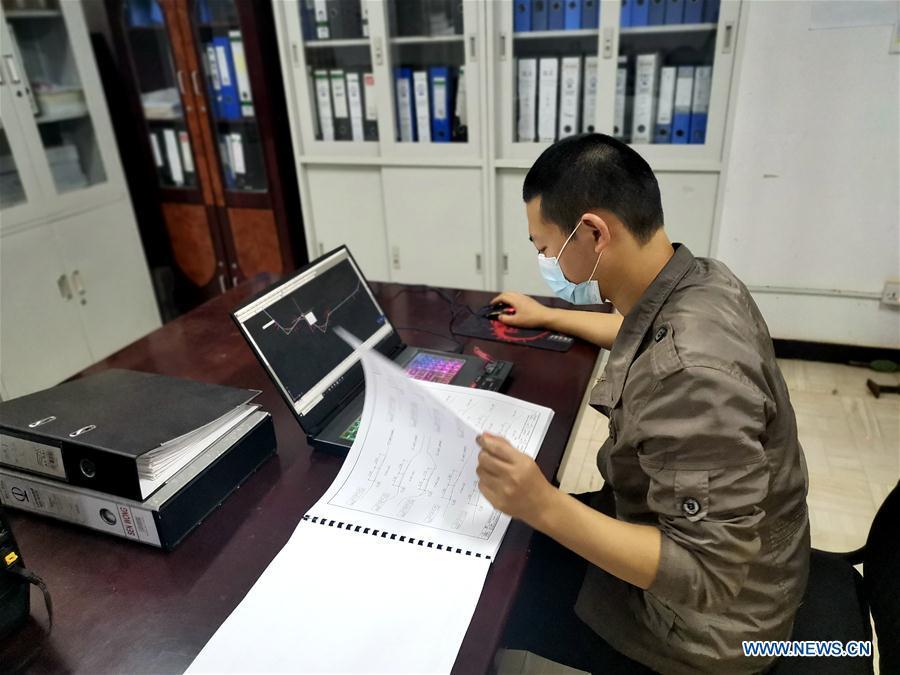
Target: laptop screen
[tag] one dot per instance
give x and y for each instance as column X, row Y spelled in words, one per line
column 291, row 328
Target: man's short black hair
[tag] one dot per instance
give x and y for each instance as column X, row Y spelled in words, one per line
column 593, row 171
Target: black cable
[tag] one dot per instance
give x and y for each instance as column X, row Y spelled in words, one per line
column 454, row 308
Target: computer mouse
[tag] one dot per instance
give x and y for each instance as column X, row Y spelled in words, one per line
column 494, row 310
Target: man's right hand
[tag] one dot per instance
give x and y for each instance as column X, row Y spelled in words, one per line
column 528, row 312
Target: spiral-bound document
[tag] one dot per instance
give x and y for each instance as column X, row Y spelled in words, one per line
column 384, row 572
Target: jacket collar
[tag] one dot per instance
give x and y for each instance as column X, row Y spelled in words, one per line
column 636, row 324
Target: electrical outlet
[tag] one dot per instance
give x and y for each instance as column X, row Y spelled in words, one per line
column 890, row 295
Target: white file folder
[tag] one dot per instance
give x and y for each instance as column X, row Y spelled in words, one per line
column 665, row 107
column 646, row 86
column 354, row 100
column 589, row 98
column 621, row 92
column 548, row 80
column 323, row 103
column 527, row 95
column 570, row 88
column 423, row 114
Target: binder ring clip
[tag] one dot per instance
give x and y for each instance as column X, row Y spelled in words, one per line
column 83, row 430
column 40, row 422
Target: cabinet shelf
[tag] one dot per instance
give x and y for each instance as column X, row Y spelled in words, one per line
column 74, row 113
column 33, row 13
column 668, row 29
column 349, row 42
column 425, row 39
column 556, row 34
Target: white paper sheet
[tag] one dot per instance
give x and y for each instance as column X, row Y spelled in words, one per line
column 411, row 470
column 335, row 601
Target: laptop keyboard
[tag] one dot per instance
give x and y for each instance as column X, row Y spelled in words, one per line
column 426, row 367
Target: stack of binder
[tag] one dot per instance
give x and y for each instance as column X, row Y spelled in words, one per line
column 670, row 104
column 540, row 15
column 431, row 104
column 136, row 455
column 637, row 13
column 333, row 19
column 346, row 106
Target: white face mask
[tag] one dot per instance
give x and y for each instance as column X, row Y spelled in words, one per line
column 584, row 293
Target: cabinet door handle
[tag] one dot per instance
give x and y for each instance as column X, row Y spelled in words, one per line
column 728, row 39
column 77, row 283
column 502, row 45
column 65, row 290
column 12, row 68
column 473, row 52
column 179, row 75
column 194, row 83
column 222, row 283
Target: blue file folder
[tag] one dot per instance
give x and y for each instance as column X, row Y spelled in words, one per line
column 522, row 16
column 710, row 11
column 640, row 12
column 406, row 74
column 657, row 14
column 203, row 15
column 590, row 13
column 572, row 15
column 693, row 11
column 625, row 15
column 539, row 14
column 674, row 11
column 441, row 112
column 231, row 103
column 156, row 14
column 556, row 15
column 698, row 128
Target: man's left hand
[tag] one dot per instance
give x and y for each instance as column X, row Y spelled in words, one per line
column 511, row 481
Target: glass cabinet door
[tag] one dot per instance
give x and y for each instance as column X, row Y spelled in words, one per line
column 339, row 68
column 664, row 73
column 160, row 86
column 39, row 57
column 428, row 70
column 12, row 192
column 220, row 40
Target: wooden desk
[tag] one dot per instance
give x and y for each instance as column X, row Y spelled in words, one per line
column 125, row 607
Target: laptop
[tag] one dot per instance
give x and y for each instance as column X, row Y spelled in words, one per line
column 290, row 328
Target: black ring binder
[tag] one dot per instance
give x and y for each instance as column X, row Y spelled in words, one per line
column 350, row 527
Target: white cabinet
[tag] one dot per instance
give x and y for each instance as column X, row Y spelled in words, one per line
column 451, row 212
column 73, row 276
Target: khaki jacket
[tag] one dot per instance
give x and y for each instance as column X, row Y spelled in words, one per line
column 703, row 445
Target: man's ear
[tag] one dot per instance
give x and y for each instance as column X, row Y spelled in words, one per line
column 599, row 229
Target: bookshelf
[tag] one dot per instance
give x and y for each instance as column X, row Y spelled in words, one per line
column 205, row 101
column 74, row 284
column 474, row 238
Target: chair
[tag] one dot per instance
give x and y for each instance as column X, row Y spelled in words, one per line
column 838, row 600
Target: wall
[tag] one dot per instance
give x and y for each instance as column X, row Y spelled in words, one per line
column 810, row 203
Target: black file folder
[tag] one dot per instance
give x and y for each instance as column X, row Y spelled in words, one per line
column 91, row 431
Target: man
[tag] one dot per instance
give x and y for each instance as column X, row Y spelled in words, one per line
column 707, row 543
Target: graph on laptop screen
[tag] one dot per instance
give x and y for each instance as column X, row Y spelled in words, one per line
column 293, row 327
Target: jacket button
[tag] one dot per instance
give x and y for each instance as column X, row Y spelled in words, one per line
column 690, row 506
column 660, row 334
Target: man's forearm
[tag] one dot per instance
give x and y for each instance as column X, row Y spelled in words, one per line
column 596, row 327
column 628, row 551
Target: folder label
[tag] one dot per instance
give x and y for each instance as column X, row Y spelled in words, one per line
column 621, row 84
column 547, row 95
column 646, row 85
column 321, row 14
column 236, row 145
column 186, row 156
column 31, row 456
column 589, row 100
column 241, row 74
column 665, row 108
column 404, row 105
column 371, row 103
column 323, row 99
column 423, row 116
column 527, row 76
column 172, row 155
column 354, row 100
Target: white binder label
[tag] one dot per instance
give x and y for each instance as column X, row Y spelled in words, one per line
column 241, row 73
column 646, row 86
column 157, row 155
column 354, row 99
column 684, row 88
column 186, row 156
column 423, row 117
column 339, row 94
column 213, row 68
column 237, row 154
column 321, row 12
column 404, row 114
column 371, row 103
column 527, row 76
column 461, row 111
column 702, row 82
column 31, row 456
column 440, row 97
column 222, row 65
column 75, row 505
column 172, row 154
